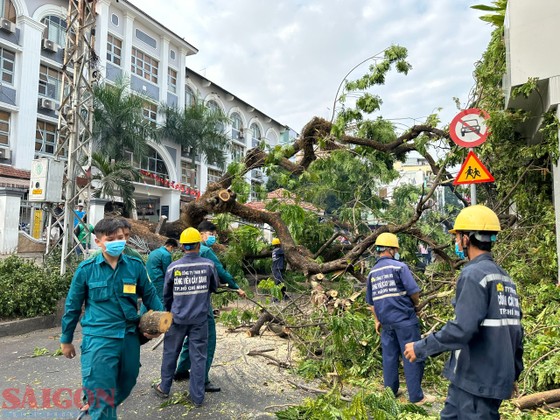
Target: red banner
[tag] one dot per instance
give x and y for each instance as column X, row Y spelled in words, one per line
column 185, row 189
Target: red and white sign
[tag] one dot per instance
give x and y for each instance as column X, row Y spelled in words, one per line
column 468, row 128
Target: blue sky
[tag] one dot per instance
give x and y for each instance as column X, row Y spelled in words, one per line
column 287, row 57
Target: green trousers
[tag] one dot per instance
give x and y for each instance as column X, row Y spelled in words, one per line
column 110, row 367
column 184, row 363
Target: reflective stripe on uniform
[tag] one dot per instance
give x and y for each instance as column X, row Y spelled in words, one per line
column 396, row 267
column 389, row 295
column 494, row 277
column 503, row 322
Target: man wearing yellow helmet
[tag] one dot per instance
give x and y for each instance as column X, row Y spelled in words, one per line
column 186, row 294
column 393, row 295
column 486, row 337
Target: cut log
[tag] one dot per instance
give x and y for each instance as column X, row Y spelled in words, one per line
column 332, row 293
column 224, row 195
column 256, row 329
column 155, row 322
column 538, row 399
column 280, row 330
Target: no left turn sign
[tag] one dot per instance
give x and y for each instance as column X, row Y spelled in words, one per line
column 468, row 128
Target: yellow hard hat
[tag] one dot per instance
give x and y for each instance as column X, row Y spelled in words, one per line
column 387, row 239
column 190, row 236
column 477, row 218
column 276, row 241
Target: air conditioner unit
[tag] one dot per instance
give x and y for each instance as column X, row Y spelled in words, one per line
column 5, row 153
column 46, row 103
column 50, row 45
column 7, row 25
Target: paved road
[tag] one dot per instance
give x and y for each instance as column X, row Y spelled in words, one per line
column 251, row 388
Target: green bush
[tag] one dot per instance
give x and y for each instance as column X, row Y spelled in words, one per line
column 27, row 290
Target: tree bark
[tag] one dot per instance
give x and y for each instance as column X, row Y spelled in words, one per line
column 155, row 322
column 540, row 398
column 255, row 329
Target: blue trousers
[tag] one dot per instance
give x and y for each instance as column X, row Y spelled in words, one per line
column 110, row 367
column 393, row 339
column 461, row 405
column 184, row 363
column 172, row 344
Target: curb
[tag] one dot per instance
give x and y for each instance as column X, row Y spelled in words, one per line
column 24, row 326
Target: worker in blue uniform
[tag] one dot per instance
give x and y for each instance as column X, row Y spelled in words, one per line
column 158, row 261
column 109, row 285
column 208, row 232
column 278, row 266
column 486, row 337
column 188, row 284
column 394, row 295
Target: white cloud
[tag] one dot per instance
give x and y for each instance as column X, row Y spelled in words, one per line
column 288, row 57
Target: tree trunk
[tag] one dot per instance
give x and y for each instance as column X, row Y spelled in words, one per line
column 155, row 322
column 255, row 329
column 540, row 398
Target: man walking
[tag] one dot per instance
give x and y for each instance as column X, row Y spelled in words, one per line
column 186, row 293
column 486, row 337
column 394, row 295
column 109, row 285
column 208, row 234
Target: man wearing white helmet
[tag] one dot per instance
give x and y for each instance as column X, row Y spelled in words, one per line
column 486, row 337
column 394, row 295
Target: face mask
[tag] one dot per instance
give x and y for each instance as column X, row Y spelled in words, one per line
column 397, row 256
column 211, row 240
column 459, row 252
column 115, row 248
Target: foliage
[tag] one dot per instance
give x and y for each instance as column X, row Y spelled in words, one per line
column 29, row 290
column 196, row 129
column 237, row 317
column 115, row 178
column 119, row 124
column 364, row 405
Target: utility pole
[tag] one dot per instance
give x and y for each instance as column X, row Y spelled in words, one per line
column 75, row 121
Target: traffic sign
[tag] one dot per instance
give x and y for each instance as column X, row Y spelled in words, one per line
column 468, row 128
column 473, row 171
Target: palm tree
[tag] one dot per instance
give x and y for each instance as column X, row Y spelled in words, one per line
column 119, row 124
column 199, row 130
column 115, row 178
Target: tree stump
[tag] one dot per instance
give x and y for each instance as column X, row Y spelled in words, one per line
column 155, row 322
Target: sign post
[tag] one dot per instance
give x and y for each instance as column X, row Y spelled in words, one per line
column 469, row 129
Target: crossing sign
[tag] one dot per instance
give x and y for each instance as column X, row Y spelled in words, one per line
column 473, row 171
column 468, row 128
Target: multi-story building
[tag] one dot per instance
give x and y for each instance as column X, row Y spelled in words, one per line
column 131, row 45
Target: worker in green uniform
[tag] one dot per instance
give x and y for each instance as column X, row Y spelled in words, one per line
column 158, row 261
column 126, row 226
column 207, row 231
column 109, row 285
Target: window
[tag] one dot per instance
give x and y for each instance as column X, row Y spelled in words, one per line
column 236, row 127
column 189, row 97
column 114, row 49
column 189, row 174
column 172, row 55
column 7, row 59
column 171, row 80
column 56, row 29
column 213, row 175
column 7, row 10
column 115, row 19
column 150, row 112
column 45, row 138
column 214, row 107
column 50, row 81
column 144, row 66
column 154, row 163
column 237, row 152
column 147, row 39
column 4, row 127
column 256, row 135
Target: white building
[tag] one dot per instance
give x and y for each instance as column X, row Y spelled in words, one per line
column 129, row 44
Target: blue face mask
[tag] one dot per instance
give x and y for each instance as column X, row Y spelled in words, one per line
column 459, row 252
column 397, row 256
column 211, row 240
column 115, row 248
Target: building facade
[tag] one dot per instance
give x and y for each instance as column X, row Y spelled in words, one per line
column 131, row 46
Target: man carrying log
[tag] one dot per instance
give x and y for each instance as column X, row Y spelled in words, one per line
column 486, row 337
column 208, row 234
column 186, row 293
column 109, row 285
